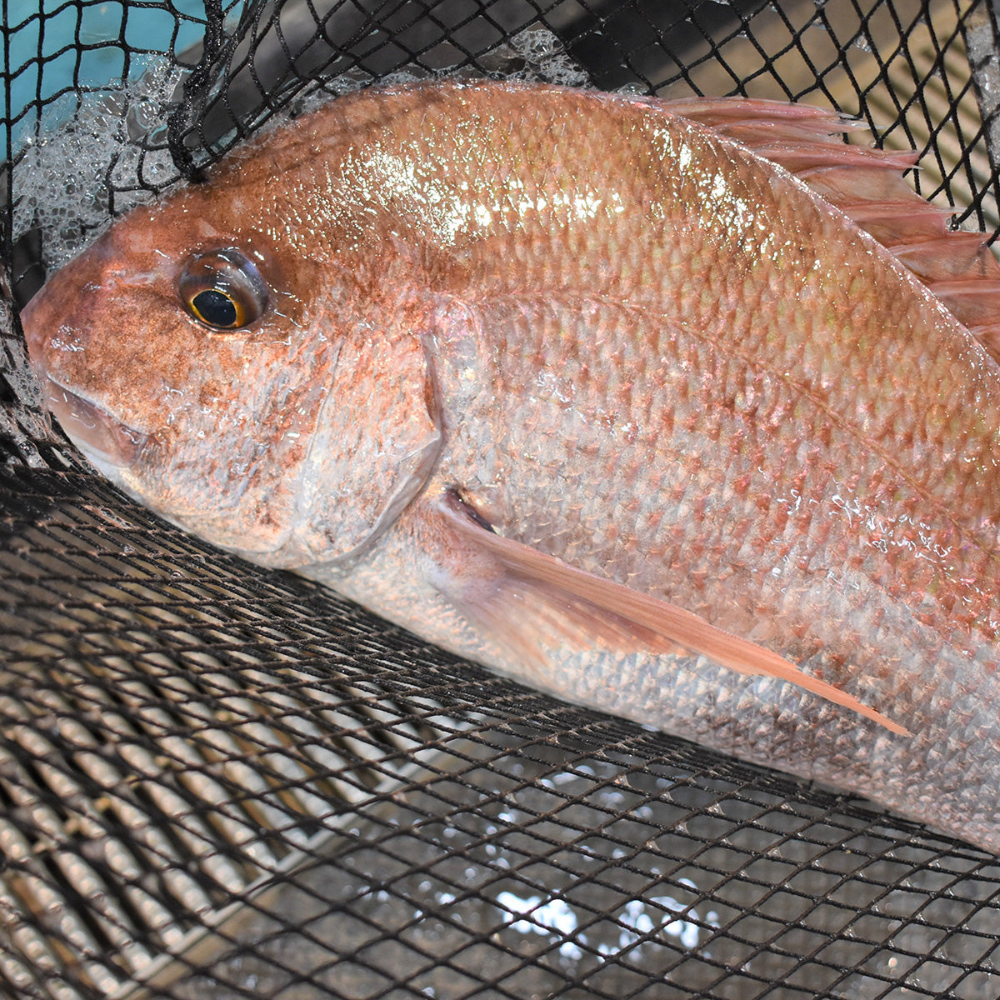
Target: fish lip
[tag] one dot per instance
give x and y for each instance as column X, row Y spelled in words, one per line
column 103, row 438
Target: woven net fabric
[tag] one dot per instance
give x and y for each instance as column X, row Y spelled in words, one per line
column 221, row 782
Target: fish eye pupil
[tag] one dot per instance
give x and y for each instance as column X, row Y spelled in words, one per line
column 215, row 308
column 222, row 289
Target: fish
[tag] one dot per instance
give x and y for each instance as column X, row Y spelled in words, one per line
column 687, row 411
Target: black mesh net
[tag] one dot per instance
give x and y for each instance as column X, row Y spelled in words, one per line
column 221, row 782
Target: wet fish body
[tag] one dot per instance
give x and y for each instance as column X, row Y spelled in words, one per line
column 588, row 389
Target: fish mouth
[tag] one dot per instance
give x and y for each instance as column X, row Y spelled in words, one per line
column 104, row 439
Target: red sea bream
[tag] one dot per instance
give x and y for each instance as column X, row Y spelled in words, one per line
column 686, row 411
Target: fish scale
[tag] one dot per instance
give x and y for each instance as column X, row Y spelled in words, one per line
column 585, row 388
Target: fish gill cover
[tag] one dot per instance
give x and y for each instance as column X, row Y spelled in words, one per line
column 223, row 782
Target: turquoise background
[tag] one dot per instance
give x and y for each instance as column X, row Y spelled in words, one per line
column 55, row 29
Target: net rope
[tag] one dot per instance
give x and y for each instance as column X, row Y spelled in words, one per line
column 217, row 781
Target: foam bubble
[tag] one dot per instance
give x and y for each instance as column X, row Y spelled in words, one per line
column 72, row 179
column 545, row 59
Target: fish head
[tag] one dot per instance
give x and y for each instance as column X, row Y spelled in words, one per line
column 263, row 397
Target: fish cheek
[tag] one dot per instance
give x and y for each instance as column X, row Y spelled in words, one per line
column 218, row 485
column 376, row 442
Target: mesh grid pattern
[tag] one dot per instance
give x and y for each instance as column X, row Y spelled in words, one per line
column 216, row 781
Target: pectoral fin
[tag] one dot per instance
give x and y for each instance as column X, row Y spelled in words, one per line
column 529, row 600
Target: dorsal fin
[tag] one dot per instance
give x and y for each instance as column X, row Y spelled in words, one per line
column 868, row 186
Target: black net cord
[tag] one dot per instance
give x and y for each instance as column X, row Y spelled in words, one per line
column 982, row 40
column 198, row 81
column 216, row 781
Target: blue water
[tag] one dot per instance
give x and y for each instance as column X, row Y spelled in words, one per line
column 81, row 47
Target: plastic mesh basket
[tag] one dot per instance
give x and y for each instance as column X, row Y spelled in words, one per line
column 220, row 782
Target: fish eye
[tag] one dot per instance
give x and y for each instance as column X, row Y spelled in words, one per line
column 223, row 290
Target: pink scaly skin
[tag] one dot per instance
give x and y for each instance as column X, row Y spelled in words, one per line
column 591, row 393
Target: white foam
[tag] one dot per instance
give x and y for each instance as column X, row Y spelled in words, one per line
column 61, row 183
column 545, row 59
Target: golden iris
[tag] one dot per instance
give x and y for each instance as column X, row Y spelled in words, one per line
column 223, row 290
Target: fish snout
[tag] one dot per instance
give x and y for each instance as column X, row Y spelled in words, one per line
column 58, row 319
column 57, row 325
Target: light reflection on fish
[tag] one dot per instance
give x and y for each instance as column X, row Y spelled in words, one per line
column 612, row 395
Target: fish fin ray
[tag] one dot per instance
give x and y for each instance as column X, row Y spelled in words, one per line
column 976, row 307
column 956, row 256
column 532, row 597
